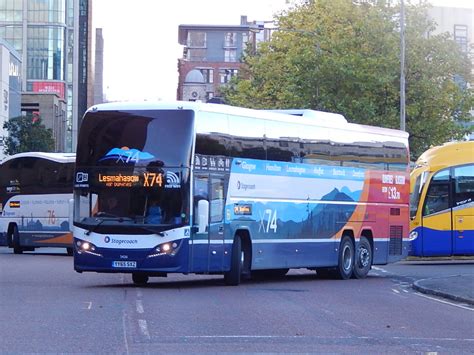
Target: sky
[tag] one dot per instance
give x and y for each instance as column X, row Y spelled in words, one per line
column 141, row 47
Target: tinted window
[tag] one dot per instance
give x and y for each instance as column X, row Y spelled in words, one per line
column 437, row 197
column 463, row 185
column 136, row 137
column 247, row 137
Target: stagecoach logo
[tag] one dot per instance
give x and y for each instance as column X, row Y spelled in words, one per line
column 107, row 239
column 127, row 155
column 245, row 187
column 172, row 180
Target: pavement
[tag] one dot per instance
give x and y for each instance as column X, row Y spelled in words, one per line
column 458, row 288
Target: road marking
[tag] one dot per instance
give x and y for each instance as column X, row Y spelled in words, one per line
column 144, row 327
column 445, row 302
column 396, row 291
column 140, row 307
column 349, row 324
column 124, row 326
column 312, row 337
column 88, row 305
column 380, row 269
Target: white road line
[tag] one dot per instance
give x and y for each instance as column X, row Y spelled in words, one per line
column 445, row 302
column 88, row 305
column 379, row 269
column 144, row 327
column 396, row 291
column 124, row 326
column 309, row 336
column 139, row 293
column 140, row 307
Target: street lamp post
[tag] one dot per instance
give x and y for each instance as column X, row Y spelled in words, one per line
column 402, row 66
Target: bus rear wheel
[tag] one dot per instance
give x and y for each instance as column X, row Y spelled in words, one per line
column 17, row 248
column 363, row 259
column 345, row 266
column 139, row 279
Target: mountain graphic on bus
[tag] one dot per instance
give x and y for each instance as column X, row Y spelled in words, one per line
column 309, row 220
column 127, row 155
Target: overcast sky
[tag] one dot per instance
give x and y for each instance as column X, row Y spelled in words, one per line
column 141, row 47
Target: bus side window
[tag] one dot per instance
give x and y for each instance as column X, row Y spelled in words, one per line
column 217, row 200
column 464, row 185
column 200, row 193
column 437, row 196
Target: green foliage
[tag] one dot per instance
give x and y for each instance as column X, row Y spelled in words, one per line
column 344, row 56
column 27, row 135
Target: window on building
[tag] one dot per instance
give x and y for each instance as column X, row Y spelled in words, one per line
column 230, row 39
column 226, row 74
column 196, row 39
column 208, row 75
column 230, row 55
column 460, row 36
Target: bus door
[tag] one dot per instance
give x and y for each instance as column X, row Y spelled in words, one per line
column 208, row 244
column 463, row 210
column 216, row 223
column 436, row 216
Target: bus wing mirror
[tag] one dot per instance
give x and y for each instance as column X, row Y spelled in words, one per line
column 71, row 213
column 203, row 215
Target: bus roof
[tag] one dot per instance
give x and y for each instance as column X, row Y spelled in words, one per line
column 448, row 154
column 307, row 117
column 57, row 157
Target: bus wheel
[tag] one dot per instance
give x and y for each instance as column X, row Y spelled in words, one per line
column 69, row 251
column 232, row 277
column 139, row 279
column 17, row 249
column 345, row 265
column 363, row 259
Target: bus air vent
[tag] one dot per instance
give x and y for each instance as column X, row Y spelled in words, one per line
column 394, row 212
column 396, row 239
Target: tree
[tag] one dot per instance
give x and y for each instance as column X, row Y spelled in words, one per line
column 344, row 56
column 27, row 135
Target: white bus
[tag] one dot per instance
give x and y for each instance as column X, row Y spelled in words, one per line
column 186, row 187
column 35, row 190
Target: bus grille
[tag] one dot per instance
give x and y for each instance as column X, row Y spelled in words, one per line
column 396, row 238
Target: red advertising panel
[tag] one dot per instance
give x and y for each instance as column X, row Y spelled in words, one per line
column 49, row 87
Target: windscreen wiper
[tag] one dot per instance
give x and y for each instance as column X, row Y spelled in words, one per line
column 104, row 216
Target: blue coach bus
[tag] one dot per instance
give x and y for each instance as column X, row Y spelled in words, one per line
column 186, row 187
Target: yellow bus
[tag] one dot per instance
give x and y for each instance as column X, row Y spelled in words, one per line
column 442, row 201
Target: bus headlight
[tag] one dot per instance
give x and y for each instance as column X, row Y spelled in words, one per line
column 413, row 235
column 170, row 248
column 83, row 246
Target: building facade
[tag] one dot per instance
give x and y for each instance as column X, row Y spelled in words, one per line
column 10, row 88
column 52, row 38
column 459, row 23
column 211, row 57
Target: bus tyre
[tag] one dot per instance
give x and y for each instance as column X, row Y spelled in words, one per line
column 17, row 249
column 139, row 279
column 232, row 277
column 363, row 259
column 345, row 265
column 69, row 251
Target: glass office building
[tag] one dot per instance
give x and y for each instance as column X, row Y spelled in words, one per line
column 44, row 33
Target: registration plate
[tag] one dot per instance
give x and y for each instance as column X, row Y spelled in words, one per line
column 124, row 264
